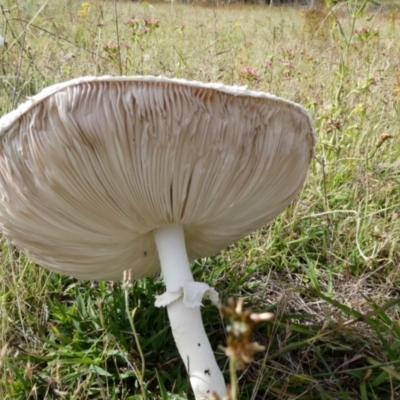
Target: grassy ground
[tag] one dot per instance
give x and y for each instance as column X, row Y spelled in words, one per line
column 328, row 266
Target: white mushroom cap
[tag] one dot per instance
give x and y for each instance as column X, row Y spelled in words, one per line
column 89, row 168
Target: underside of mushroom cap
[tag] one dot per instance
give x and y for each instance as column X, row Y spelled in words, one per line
column 89, row 168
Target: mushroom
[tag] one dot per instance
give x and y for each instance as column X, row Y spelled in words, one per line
column 100, row 175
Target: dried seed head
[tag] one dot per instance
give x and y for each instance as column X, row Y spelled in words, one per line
column 127, row 279
column 241, row 323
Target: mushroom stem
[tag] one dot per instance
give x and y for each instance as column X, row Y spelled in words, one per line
column 183, row 300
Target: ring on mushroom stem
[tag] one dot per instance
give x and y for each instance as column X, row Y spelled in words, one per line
column 104, row 174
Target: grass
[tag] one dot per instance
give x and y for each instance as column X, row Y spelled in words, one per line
column 328, row 266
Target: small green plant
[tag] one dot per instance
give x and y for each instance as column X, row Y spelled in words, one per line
column 142, row 26
column 249, row 75
column 125, row 54
column 113, row 50
column 366, row 33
